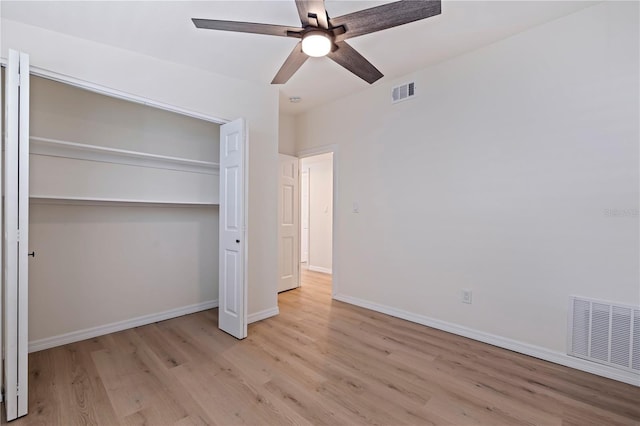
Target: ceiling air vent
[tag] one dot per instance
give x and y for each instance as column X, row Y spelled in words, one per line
column 605, row 333
column 403, row 92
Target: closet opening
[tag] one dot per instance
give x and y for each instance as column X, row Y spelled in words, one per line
column 124, row 214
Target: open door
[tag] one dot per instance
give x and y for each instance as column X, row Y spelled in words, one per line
column 15, row 267
column 288, row 224
column 232, row 296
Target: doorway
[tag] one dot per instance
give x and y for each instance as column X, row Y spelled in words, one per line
column 306, row 219
column 316, row 213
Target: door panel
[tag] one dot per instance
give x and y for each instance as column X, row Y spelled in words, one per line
column 231, row 265
column 232, row 316
column 231, row 200
column 288, row 227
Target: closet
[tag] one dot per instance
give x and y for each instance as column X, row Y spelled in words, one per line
column 133, row 211
column 123, row 213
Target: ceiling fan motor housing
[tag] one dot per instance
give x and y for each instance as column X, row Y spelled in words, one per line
column 317, row 43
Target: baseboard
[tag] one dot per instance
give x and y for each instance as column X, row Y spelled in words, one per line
column 502, row 342
column 319, row 269
column 88, row 333
column 267, row 313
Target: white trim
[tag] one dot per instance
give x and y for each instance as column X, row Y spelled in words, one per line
column 259, row 316
column 58, row 148
column 310, row 152
column 499, row 341
column 23, row 242
column 88, row 333
column 112, row 202
column 319, row 269
column 245, row 228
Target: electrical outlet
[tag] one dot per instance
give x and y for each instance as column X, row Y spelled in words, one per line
column 466, row 295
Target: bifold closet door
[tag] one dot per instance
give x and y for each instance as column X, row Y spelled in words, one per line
column 232, row 297
column 15, row 265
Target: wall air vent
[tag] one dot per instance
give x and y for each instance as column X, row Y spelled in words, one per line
column 605, row 333
column 403, row 92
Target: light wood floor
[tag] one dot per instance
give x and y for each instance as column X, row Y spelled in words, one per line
column 318, row 362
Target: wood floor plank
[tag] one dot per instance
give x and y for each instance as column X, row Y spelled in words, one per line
column 177, row 394
column 42, row 388
column 76, row 393
column 304, row 398
column 320, row 362
column 133, row 381
column 167, row 353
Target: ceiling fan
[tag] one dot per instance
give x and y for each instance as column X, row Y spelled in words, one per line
column 324, row 36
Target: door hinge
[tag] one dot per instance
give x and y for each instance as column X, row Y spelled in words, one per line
column 18, row 235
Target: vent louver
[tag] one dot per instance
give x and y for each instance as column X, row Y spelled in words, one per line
column 403, row 92
column 605, row 333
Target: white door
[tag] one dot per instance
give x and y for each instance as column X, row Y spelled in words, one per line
column 304, row 215
column 232, row 294
column 16, row 235
column 288, row 226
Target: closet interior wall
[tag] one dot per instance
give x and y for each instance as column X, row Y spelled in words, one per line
column 124, row 213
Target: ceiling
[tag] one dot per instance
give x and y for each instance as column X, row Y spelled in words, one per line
column 163, row 29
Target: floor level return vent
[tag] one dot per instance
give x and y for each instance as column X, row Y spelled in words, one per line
column 605, row 333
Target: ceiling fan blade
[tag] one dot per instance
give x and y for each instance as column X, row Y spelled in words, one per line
column 293, row 62
column 245, row 27
column 313, row 8
column 386, row 16
column 349, row 58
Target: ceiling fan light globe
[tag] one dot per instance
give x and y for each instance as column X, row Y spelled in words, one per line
column 316, row 44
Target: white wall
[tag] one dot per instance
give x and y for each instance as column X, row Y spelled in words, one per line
column 499, row 177
column 189, row 88
column 320, row 169
column 64, row 112
column 286, row 134
column 97, row 264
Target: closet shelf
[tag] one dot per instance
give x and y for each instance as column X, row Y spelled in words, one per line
column 65, row 149
column 48, row 199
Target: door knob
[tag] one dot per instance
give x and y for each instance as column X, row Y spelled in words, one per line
column 238, row 241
